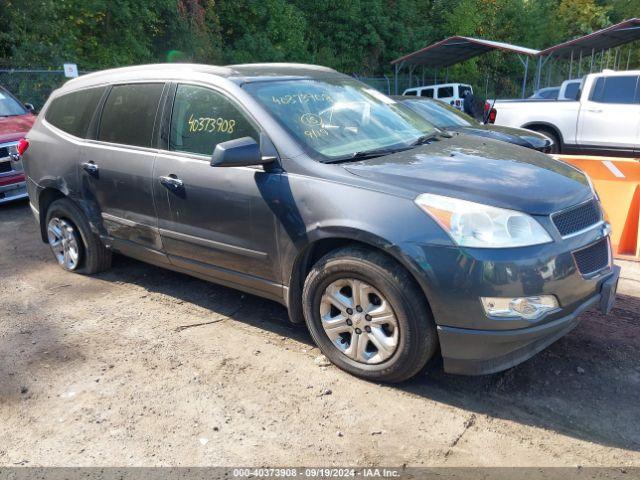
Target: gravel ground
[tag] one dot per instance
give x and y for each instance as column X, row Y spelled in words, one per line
column 142, row 366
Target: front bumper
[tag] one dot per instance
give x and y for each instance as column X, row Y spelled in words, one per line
column 12, row 188
column 454, row 280
column 479, row 352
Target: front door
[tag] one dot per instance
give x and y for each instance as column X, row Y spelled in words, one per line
column 215, row 220
column 116, row 167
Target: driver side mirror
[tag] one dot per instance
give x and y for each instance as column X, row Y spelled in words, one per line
column 30, row 107
column 241, row 152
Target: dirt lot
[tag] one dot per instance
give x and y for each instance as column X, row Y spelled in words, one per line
column 142, row 366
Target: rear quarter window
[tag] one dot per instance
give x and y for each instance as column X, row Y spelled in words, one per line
column 72, row 112
column 427, row 92
column 445, row 92
column 129, row 114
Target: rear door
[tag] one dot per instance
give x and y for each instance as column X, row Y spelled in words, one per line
column 116, row 167
column 218, row 220
column 609, row 116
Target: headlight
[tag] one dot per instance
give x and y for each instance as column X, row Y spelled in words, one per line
column 592, row 187
column 473, row 224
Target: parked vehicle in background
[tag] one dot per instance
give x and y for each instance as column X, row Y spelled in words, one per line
column 547, row 93
column 297, row 183
column 15, row 121
column 604, row 120
column 567, row 91
column 451, row 93
column 448, row 118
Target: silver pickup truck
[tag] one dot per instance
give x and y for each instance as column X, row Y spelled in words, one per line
column 604, row 120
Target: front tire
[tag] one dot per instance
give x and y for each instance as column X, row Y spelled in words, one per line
column 368, row 316
column 74, row 245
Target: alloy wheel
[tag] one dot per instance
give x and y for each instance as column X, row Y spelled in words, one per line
column 63, row 242
column 359, row 321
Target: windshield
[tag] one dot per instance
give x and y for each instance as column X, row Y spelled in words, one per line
column 9, row 106
column 441, row 115
column 338, row 118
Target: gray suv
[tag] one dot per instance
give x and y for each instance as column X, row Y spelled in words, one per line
column 393, row 241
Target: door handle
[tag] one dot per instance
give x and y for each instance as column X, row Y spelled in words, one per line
column 594, row 110
column 172, row 182
column 90, row 167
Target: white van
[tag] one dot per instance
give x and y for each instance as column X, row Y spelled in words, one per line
column 451, row 93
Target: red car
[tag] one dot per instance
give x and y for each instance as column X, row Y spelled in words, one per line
column 16, row 120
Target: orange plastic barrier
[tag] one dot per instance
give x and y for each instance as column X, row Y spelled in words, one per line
column 617, row 181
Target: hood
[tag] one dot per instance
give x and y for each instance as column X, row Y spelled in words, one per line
column 481, row 170
column 16, row 127
column 517, row 136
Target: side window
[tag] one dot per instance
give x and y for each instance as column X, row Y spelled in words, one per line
column 618, row 89
column 129, row 114
column 427, row 92
column 72, row 112
column 445, row 92
column 202, row 118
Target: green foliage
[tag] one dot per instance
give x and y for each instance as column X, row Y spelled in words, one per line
column 354, row 36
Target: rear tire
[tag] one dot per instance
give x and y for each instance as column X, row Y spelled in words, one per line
column 556, row 147
column 393, row 351
column 66, row 223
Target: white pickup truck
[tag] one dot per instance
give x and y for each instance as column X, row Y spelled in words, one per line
column 605, row 120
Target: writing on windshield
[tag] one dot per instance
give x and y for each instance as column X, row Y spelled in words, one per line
column 337, row 117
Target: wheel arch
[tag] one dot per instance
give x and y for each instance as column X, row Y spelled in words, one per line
column 318, row 247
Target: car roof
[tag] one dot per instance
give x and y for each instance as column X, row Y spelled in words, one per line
column 239, row 73
column 438, row 85
column 404, row 98
column 617, row 73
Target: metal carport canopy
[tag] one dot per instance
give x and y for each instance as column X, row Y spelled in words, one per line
column 610, row 37
column 457, row 49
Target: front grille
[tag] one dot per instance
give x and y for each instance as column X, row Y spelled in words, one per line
column 5, row 156
column 577, row 218
column 593, row 258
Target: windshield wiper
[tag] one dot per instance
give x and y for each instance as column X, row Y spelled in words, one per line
column 364, row 154
column 421, row 140
column 431, row 136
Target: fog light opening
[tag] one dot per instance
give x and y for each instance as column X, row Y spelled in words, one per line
column 529, row 308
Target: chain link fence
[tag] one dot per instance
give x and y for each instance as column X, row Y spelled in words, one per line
column 32, row 86
column 35, row 85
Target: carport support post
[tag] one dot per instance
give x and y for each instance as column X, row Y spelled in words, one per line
column 580, row 65
column 411, row 69
column 538, row 73
column 571, row 66
column 524, row 62
column 398, row 66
